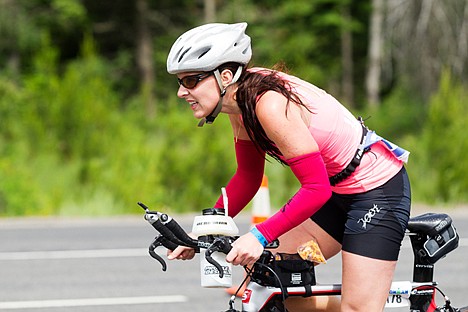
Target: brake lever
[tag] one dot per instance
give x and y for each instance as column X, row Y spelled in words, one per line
column 160, row 241
column 221, row 244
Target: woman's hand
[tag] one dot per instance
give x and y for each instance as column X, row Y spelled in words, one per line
column 181, row 253
column 245, row 250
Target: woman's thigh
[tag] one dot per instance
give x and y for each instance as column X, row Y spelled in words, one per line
column 366, row 282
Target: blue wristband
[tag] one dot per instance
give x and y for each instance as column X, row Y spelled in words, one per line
column 258, row 235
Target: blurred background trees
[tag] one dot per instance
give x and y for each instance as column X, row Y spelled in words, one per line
column 90, row 121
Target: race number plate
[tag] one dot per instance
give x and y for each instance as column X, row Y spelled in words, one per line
column 398, row 295
column 397, row 301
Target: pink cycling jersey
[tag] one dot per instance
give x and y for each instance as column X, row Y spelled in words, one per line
column 338, row 134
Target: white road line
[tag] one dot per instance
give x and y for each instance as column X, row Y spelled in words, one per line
column 74, row 254
column 60, row 303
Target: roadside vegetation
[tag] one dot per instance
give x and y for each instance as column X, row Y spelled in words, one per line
column 82, row 133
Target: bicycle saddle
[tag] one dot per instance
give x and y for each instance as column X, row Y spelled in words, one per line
column 440, row 236
column 429, row 223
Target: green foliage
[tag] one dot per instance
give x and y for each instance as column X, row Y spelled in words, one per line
column 399, row 114
column 195, row 162
column 78, row 152
column 75, row 140
column 445, row 141
column 435, row 136
column 68, row 12
column 306, row 36
column 18, row 196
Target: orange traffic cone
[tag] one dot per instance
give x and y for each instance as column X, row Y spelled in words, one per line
column 260, row 212
column 261, row 203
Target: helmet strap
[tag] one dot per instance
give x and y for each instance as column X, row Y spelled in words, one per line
column 212, row 116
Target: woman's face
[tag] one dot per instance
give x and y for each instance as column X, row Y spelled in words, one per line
column 203, row 97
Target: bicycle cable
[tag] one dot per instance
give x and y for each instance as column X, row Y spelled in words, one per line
column 447, row 307
column 233, row 297
column 284, row 293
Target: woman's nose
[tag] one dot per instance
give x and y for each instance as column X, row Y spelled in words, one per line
column 182, row 91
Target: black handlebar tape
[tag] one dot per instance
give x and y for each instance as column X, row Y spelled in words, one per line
column 168, row 244
column 179, row 232
column 174, row 230
column 167, row 233
column 171, row 245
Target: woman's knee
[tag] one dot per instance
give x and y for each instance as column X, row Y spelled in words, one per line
column 374, row 278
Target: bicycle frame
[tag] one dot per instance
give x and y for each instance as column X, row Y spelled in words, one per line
column 418, row 295
column 432, row 237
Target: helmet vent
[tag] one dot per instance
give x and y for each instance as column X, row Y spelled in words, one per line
column 182, row 55
column 204, row 52
column 206, row 47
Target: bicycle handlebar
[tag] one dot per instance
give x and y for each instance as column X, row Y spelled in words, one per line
column 168, row 227
column 173, row 235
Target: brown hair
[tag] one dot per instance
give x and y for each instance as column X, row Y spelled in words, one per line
column 251, row 86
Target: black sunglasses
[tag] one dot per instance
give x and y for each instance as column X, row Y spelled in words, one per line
column 190, row 82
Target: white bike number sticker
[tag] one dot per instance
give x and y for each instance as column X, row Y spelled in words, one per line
column 396, row 301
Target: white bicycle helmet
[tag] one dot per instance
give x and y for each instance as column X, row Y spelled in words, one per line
column 206, row 47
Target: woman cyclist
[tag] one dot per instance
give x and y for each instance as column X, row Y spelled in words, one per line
column 354, row 194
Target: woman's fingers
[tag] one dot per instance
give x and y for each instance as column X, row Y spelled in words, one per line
column 181, row 253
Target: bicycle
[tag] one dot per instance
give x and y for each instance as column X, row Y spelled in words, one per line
column 275, row 277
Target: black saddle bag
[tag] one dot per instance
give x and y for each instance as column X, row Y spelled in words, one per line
column 290, row 270
column 435, row 236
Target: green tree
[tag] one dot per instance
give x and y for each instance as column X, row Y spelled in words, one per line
column 447, row 145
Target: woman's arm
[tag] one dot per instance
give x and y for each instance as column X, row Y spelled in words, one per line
column 285, row 125
column 248, row 177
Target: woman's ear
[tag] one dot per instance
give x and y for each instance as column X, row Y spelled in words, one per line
column 226, row 77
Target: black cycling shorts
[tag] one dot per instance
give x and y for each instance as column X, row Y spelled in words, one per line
column 370, row 224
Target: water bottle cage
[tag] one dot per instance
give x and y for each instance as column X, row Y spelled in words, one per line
column 206, row 241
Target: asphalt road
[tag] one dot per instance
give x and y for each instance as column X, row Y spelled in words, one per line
column 102, row 264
